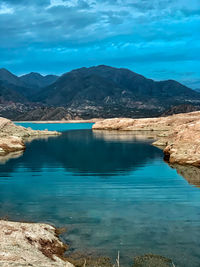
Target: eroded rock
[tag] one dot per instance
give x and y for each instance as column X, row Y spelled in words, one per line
column 12, row 136
column 30, row 244
column 179, row 134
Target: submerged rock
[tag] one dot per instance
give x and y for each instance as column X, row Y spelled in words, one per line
column 80, row 260
column 151, row 260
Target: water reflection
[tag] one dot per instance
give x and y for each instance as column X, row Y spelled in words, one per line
column 11, row 155
column 125, row 136
column 85, row 152
column 190, row 173
column 144, row 206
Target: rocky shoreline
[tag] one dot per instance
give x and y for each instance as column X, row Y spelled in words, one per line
column 178, row 135
column 38, row 245
column 31, row 244
column 12, row 137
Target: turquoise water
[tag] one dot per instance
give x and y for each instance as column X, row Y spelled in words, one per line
column 111, row 190
column 56, row 126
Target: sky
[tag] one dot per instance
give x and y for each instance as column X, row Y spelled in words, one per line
column 159, row 39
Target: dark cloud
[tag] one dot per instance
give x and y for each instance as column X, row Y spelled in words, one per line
column 72, row 33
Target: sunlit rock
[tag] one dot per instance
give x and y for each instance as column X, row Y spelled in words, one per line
column 30, row 244
column 12, row 136
column 179, row 134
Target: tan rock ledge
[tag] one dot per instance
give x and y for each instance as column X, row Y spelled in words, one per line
column 30, row 244
column 12, row 136
column 179, row 134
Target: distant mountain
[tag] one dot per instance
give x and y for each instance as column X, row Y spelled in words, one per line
column 9, row 78
column 26, row 85
column 7, row 95
column 100, row 91
column 105, row 91
column 37, row 80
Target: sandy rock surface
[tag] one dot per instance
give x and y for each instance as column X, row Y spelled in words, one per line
column 12, row 136
column 179, row 134
column 30, row 244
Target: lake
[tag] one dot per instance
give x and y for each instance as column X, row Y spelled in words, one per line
column 112, row 191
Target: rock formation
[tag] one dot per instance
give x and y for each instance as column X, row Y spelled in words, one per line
column 30, row 244
column 12, row 136
column 179, row 134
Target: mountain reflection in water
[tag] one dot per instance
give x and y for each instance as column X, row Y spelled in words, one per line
column 83, row 152
column 69, row 151
column 112, row 190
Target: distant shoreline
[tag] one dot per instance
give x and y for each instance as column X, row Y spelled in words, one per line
column 62, row 121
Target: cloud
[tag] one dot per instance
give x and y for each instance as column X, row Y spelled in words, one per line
column 4, row 9
column 63, row 34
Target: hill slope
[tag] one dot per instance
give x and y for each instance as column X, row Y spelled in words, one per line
column 7, row 94
column 105, row 91
column 100, row 91
column 26, row 85
column 9, row 78
column 37, row 80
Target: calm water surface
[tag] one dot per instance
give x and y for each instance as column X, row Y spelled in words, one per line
column 111, row 190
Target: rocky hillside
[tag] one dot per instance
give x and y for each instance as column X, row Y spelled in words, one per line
column 184, row 108
column 26, row 85
column 36, row 80
column 104, row 85
column 95, row 92
column 9, row 78
column 104, row 91
column 9, row 94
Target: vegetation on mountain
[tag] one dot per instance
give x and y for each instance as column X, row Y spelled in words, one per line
column 100, row 91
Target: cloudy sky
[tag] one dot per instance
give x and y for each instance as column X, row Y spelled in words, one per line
column 157, row 38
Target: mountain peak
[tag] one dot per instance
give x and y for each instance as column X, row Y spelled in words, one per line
column 5, row 71
column 36, row 74
column 32, row 74
column 35, row 79
column 8, row 77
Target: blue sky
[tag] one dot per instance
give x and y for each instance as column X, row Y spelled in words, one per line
column 157, row 38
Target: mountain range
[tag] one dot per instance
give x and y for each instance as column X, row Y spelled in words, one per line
column 100, row 91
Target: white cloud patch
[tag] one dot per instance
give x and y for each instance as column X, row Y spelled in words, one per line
column 5, row 9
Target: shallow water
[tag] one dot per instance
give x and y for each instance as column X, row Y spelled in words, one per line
column 111, row 190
